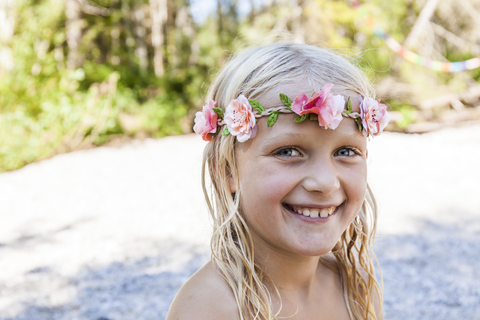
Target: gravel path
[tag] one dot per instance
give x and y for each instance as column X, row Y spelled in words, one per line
column 112, row 233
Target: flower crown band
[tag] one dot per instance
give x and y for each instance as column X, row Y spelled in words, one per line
column 241, row 114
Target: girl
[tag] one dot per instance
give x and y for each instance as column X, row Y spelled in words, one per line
column 293, row 216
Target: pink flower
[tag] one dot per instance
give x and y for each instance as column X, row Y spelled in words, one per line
column 299, row 103
column 374, row 116
column 328, row 107
column 334, row 112
column 206, row 121
column 240, row 119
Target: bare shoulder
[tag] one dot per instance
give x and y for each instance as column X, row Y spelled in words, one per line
column 205, row 295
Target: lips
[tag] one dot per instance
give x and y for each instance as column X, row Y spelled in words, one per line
column 312, row 212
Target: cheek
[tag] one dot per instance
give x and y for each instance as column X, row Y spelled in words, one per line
column 262, row 191
column 355, row 182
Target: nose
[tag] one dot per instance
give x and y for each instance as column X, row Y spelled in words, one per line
column 322, row 177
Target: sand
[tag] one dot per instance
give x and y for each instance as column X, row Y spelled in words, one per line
column 112, row 233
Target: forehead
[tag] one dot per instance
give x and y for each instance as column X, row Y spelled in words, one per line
column 271, row 97
column 307, row 134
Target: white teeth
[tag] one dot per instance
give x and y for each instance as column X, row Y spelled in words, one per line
column 315, row 213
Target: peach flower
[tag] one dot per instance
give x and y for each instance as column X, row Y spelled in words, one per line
column 374, row 116
column 328, row 107
column 206, row 121
column 240, row 119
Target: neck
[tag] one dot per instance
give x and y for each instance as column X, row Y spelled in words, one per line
column 294, row 276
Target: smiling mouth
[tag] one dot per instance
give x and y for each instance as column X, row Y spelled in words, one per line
column 311, row 212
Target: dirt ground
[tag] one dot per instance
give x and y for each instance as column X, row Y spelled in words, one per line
column 112, row 233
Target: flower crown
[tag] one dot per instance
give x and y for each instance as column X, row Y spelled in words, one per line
column 241, row 114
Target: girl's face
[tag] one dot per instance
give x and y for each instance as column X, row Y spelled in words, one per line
column 292, row 167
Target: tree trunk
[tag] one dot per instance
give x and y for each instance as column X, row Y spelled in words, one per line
column 180, row 19
column 73, row 12
column 158, row 9
column 127, row 25
column 455, row 40
column 191, row 33
column 141, row 33
column 115, row 36
column 297, row 29
column 420, row 24
column 7, row 23
column 252, row 11
column 233, row 14
column 267, row 5
column 220, row 20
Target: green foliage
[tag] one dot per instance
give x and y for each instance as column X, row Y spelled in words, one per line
column 47, row 108
column 405, row 109
column 272, row 118
column 299, row 119
column 256, row 105
column 285, row 100
column 219, row 112
column 162, row 115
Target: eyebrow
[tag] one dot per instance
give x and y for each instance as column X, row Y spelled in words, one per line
column 281, row 137
column 355, row 135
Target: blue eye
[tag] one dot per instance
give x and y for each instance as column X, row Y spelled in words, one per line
column 288, row 152
column 345, row 152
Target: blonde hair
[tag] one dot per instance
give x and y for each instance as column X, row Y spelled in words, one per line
column 251, row 74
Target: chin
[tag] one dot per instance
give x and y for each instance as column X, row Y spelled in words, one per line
column 315, row 249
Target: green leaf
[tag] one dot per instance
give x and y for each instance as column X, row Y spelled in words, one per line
column 216, row 132
column 225, row 132
column 286, row 100
column 219, row 111
column 288, row 108
column 313, row 116
column 272, row 119
column 256, row 105
column 358, row 120
column 299, row 119
column 349, row 107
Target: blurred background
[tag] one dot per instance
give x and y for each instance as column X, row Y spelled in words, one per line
column 75, row 74
column 101, row 211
